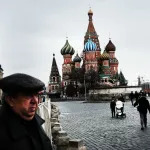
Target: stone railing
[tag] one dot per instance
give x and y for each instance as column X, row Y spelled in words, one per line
column 59, row 138
column 44, row 110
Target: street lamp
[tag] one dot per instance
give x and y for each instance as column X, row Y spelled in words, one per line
column 83, row 58
column 85, row 88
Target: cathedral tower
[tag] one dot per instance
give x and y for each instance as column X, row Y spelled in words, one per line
column 54, row 79
column 91, row 32
column 110, row 49
column 92, row 48
column 67, row 51
column 77, row 61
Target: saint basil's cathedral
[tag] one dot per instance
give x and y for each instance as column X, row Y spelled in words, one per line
column 92, row 58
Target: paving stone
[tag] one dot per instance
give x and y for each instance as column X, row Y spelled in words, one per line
column 92, row 123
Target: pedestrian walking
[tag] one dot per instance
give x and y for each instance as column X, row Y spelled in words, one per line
column 131, row 96
column 142, row 106
column 136, row 95
column 43, row 98
column 20, row 126
column 113, row 106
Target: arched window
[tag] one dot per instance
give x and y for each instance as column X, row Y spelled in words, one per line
column 57, row 79
column 52, row 87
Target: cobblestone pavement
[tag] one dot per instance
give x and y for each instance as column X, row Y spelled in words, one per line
column 92, row 123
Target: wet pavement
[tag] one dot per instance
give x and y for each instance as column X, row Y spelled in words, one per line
column 92, row 123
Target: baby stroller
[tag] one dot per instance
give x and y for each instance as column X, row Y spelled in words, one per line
column 120, row 109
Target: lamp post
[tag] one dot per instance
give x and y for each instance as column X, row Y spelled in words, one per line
column 85, row 88
column 83, row 58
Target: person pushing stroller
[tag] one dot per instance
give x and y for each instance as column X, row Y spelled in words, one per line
column 120, row 107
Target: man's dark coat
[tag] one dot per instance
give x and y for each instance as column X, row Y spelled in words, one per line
column 143, row 105
column 14, row 136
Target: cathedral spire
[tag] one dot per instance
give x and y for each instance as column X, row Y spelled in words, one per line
column 90, row 13
column 54, row 68
column 54, row 80
column 91, row 32
column 91, row 28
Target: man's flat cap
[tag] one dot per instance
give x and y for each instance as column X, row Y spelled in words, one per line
column 20, row 82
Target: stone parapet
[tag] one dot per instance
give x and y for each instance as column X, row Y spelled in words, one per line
column 60, row 139
column 76, row 144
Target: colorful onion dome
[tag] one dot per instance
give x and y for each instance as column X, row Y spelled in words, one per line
column 110, row 46
column 114, row 60
column 90, row 46
column 67, row 49
column 104, row 56
column 77, row 58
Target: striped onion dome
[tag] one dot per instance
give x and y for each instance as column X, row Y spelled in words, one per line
column 67, row 49
column 90, row 46
column 77, row 58
column 104, row 56
column 110, row 46
column 114, row 60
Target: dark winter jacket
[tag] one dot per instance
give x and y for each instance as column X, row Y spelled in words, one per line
column 17, row 134
column 143, row 105
column 131, row 96
column 112, row 105
column 121, row 98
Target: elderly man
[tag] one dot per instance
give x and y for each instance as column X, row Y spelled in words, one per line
column 20, row 126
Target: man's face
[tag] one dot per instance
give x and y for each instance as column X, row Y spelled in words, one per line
column 25, row 105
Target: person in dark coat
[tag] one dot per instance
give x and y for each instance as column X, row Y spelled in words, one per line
column 20, row 126
column 143, row 106
column 113, row 106
column 121, row 98
column 131, row 96
column 136, row 95
column 43, row 98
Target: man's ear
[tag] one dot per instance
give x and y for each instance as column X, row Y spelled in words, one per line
column 10, row 101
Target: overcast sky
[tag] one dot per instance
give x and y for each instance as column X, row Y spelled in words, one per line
column 32, row 30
